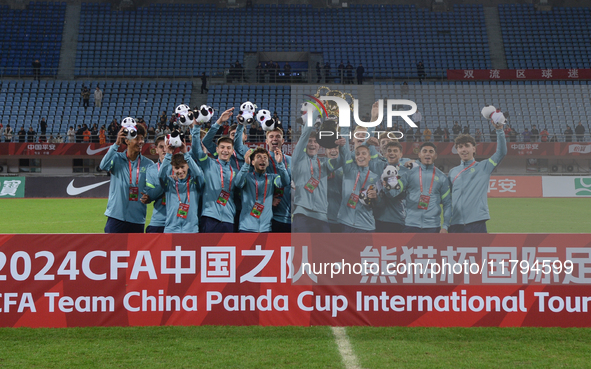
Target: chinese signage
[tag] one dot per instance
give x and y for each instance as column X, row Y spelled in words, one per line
column 515, row 186
column 279, row 279
column 11, row 187
column 518, row 74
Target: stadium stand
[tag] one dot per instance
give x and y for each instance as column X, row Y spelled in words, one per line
column 546, row 39
column 273, row 98
column 551, row 104
column 30, row 34
column 181, row 40
column 60, row 102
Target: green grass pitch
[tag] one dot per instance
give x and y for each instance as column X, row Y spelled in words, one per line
column 87, row 215
column 292, row 347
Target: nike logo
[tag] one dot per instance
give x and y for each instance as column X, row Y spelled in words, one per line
column 74, row 191
column 90, row 151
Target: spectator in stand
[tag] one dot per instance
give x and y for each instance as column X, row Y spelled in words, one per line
column 466, row 130
column 410, row 135
column 260, row 73
column 85, row 97
column 260, row 136
column 37, row 70
column 446, row 135
column 544, row 135
column 349, row 69
column 113, row 131
column 151, row 134
column 580, row 132
column 8, row 133
column 252, row 133
column 71, row 135
column 341, row 71
column 79, row 134
column 360, row 71
column 43, row 126
column 513, row 135
column 418, row 135
column 94, row 134
column 86, row 134
column 102, row 135
column 421, row 71
column 289, row 133
column 98, row 97
column 535, row 134
column 287, row 71
column 427, row 134
column 326, row 72
column 162, row 117
column 568, row 134
column 493, row 135
column 456, row 130
column 31, row 135
column 526, row 135
column 204, row 83
column 438, row 134
column 22, row 135
column 478, row 135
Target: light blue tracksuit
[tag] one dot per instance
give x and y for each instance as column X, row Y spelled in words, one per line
column 155, row 192
column 470, row 188
column 175, row 224
column 119, row 207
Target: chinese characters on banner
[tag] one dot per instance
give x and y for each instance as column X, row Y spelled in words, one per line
column 298, row 279
column 518, row 74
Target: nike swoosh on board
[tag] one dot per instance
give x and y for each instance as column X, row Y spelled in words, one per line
column 90, row 151
column 74, row 191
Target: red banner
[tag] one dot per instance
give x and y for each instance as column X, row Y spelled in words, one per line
column 411, row 149
column 518, row 74
column 259, row 279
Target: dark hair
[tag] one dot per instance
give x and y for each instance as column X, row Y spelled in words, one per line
column 394, row 144
column 431, row 144
column 464, row 139
column 233, row 127
column 225, row 139
column 140, row 130
column 158, row 139
column 258, row 150
column 177, row 160
column 362, row 147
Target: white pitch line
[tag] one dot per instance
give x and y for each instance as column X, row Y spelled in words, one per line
column 345, row 349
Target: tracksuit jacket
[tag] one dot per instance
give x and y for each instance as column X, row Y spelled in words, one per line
column 281, row 212
column 470, row 186
column 441, row 194
column 236, row 160
column 311, row 204
column 213, row 182
column 249, row 181
column 175, row 224
column 119, row 207
column 155, row 192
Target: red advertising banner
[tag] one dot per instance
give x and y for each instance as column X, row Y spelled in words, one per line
column 515, row 186
column 411, row 149
column 260, row 279
column 518, row 74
